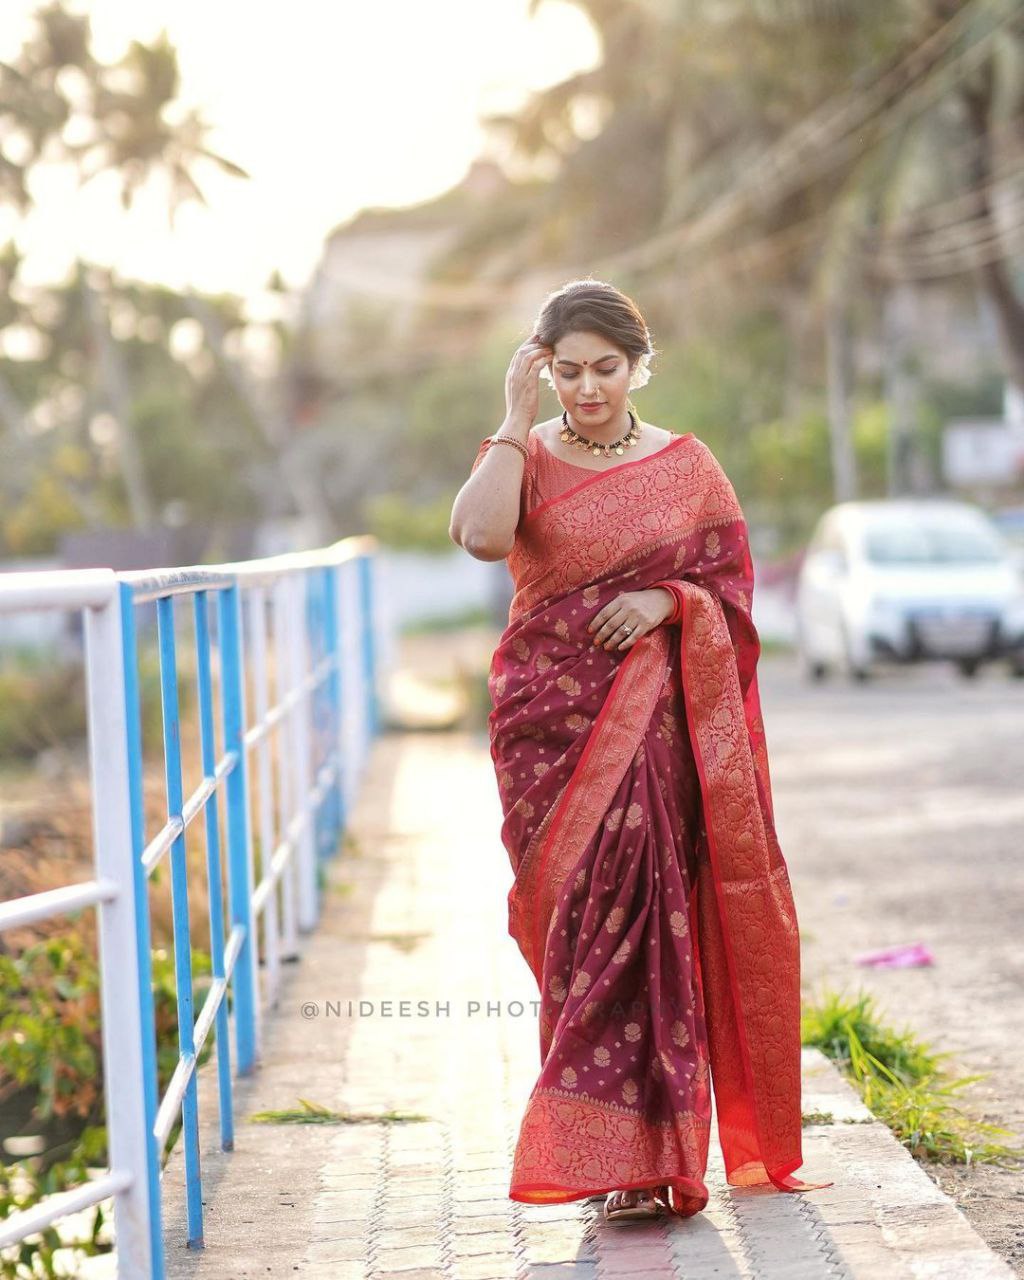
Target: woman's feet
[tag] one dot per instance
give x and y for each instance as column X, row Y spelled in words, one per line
column 631, row 1205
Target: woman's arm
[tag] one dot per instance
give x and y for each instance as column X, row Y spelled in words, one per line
column 486, row 509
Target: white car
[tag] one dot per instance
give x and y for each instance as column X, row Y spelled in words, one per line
column 905, row 580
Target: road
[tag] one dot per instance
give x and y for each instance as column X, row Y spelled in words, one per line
column 900, row 809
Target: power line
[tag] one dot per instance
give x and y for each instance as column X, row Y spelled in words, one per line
column 811, row 148
column 831, row 130
column 910, row 224
column 985, row 241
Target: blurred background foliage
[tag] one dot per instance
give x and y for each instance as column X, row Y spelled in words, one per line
column 817, row 204
column 800, row 193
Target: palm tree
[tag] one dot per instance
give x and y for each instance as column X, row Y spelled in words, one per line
column 737, row 149
column 126, row 123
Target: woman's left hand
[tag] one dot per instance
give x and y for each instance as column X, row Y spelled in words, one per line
column 641, row 611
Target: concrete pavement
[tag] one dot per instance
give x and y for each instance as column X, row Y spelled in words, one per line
column 415, row 911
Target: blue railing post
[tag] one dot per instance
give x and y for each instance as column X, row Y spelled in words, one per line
column 301, row 718
column 332, row 649
column 246, row 1005
column 327, row 836
column 367, row 617
column 346, row 778
column 263, row 773
column 286, row 799
column 140, row 889
column 182, row 926
column 213, row 865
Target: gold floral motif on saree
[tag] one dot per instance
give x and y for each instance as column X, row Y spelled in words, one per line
column 754, row 887
column 730, row 941
column 612, row 743
column 635, row 508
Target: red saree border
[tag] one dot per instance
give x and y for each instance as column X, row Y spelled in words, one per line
column 593, row 1147
column 597, row 473
column 740, row 860
column 549, row 1193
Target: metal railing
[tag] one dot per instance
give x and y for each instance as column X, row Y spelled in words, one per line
column 323, row 707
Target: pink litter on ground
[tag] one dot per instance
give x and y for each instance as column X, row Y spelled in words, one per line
column 908, row 955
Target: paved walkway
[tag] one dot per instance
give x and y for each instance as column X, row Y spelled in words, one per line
column 415, row 911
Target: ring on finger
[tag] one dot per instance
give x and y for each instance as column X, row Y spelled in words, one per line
column 623, row 626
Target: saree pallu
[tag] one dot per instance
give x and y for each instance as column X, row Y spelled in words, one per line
column 650, row 897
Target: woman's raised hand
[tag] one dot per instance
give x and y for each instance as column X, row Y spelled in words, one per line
column 521, row 392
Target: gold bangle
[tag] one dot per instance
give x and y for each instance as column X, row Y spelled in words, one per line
column 510, row 440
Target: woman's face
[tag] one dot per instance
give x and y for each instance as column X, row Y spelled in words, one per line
column 589, row 369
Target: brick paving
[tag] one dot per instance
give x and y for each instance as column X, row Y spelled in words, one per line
column 415, row 911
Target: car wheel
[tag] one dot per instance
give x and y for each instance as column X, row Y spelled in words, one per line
column 968, row 667
column 855, row 670
column 812, row 669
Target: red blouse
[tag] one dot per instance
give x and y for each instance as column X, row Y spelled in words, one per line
column 545, row 476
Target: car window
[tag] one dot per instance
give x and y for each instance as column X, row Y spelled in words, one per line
column 931, row 542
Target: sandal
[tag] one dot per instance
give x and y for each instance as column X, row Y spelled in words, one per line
column 619, row 1209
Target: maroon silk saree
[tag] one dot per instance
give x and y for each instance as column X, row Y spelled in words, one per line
column 651, row 899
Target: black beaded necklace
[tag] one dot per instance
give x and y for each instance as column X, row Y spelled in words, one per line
column 571, row 436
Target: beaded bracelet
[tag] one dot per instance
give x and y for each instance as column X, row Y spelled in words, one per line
column 509, row 440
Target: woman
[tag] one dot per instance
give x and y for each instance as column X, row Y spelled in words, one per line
column 650, row 900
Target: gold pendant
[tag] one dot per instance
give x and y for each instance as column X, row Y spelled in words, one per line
column 632, row 437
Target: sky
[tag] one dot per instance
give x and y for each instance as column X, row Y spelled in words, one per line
column 329, row 107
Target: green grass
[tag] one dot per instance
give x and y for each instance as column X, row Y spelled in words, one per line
column 776, row 645
column 904, row 1082
column 838, row 1022
column 402, row 941
column 315, row 1113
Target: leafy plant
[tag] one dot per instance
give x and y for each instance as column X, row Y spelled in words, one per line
column 22, row 1186
column 49, row 1027
column 903, row 1081
column 838, row 1021
column 51, row 1068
